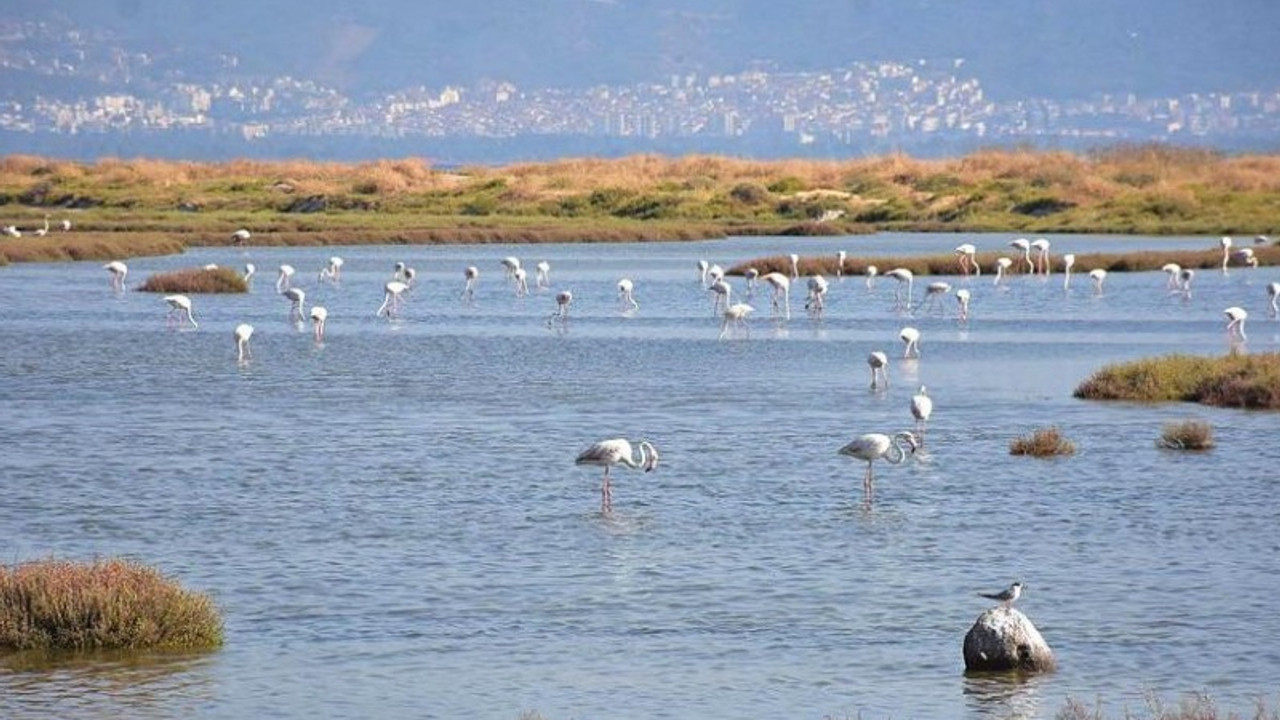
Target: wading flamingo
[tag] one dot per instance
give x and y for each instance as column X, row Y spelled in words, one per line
column 118, row 272
column 966, row 256
column 471, row 274
column 871, row 272
column 542, row 274
column 781, row 287
column 921, row 409
column 1273, row 296
column 564, row 299
column 1235, row 323
column 962, row 301
column 877, row 446
column 736, row 315
column 284, row 278
column 841, row 255
column 816, row 300
column 1041, row 246
column 332, row 271
column 911, row 342
column 618, row 451
column 242, row 333
column 903, row 276
column 626, row 295
column 1098, row 275
column 318, row 317
column 179, row 309
column 392, row 299
column 1025, row 247
column 1068, row 262
column 297, row 299
column 1225, row 244
column 879, row 364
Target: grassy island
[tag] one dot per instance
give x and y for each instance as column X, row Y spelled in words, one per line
column 1235, row 380
column 120, row 208
column 103, row 605
column 196, row 280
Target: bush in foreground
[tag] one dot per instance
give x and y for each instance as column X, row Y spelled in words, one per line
column 1044, row 442
column 1235, row 380
column 1186, row 435
column 196, row 280
column 104, row 605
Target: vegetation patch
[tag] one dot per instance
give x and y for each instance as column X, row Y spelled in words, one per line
column 1235, row 380
column 1043, row 442
column 196, row 280
column 1186, row 435
column 103, row 605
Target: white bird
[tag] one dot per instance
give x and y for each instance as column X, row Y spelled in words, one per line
column 471, row 274
column 66, row 225
column 626, row 296
column 318, row 317
column 249, row 271
column 398, row 271
column 966, row 255
column 1184, row 281
column 118, row 272
column 715, row 273
column 962, row 300
column 1006, row 597
column 1273, row 295
column 879, row 363
column 841, row 255
column 542, row 275
column 781, row 287
column 285, row 278
column 242, row 333
column 296, row 297
column 871, row 273
column 409, row 276
column 1002, row 269
column 902, row 275
column 240, row 237
column 752, row 275
column 921, row 409
column 876, row 446
column 1225, row 244
column 564, row 299
column 1041, row 246
column 703, row 268
column 1246, row 257
column 332, row 271
column 795, row 265
column 911, row 338
column 933, row 292
column 1235, row 322
column 736, row 314
column 816, row 300
column 509, row 266
column 522, row 282
column 12, row 231
column 1098, row 275
column 721, row 292
column 1025, row 247
column 392, row 299
column 618, row 451
column 210, row 266
column 1068, row 262
column 180, row 308
column 1174, row 271
column 41, row 232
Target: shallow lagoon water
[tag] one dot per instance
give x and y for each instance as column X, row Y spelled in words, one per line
column 393, row 524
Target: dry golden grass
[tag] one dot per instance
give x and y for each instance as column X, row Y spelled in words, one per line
column 196, row 280
column 1043, row 442
column 1234, row 380
column 107, row 604
column 1196, row 706
column 87, row 246
column 1186, row 435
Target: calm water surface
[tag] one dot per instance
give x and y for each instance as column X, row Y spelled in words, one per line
column 393, row 524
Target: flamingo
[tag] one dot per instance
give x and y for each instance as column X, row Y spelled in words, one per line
column 564, row 299
column 318, row 316
column 392, row 299
column 626, row 296
column 877, row 446
column 879, row 363
column 542, row 275
column 934, row 291
column 714, row 273
column 736, row 314
column 911, row 338
column 1235, row 323
column 1225, row 244
column 66, row 225
column 12, row 231
column 296, row 297
column 118, row 272
column 409, row 276
column 871, row 273
column 242, row 333
column 522, row 282
column 1174, row 271
column 1025, row 247
column 471, row 274
column 816, row 300
column 179, row 308
column 720, row 291
column 285, row 278
column 240, row 237
column 1098, row 275
column 397, row 271
column 902, row 275
column 921, row 409
column 962, row 300
column 1184, row 281
column 1273, row 295
column 249, row 271
column 509, row 266
column 752, row 275
column 781, row 286
column 840, row 258
column 1041, row 246
column 703, row 267
column 966, row 255
column 1002, row 269
column 1246, row 257
column 332, row 271
column 795, row 265
column 618, row 451
column 1068, row 262
column 41, row 232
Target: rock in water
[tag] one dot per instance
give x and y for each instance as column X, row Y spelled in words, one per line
column 1004, row 639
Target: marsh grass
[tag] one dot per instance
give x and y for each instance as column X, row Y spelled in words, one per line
column 196, row 280
column 1196, row 706
column 1186, row 435
column 1043, row 442
column 87, row 246
column 1234, row 380
column 106, row 604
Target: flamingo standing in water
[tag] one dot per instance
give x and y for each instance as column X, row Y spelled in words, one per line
column 921, row 409
column 902, row 275
column 1225, row 244
column 1235, row 323
column 736, row 315
column 1184, row 281
column 392, row 299
column 911, row 340
column 720, row 291
column 879, row 363
column 840, row 258
column 626, row 296
column 1273, row 295
column 522, row 282
column 1246, row 257
column 1002, row 269
column 752, row 275
column 179, row 309
column 285, row 278
column 877, row 446
column 795, row 265
column 1098, row 275
column 1068, row 262
column 781, row 287
column 318, row 317
column 542, row 276
column 297, row 298
column 118, row 272
column 966, row 255
column 1041, row 246
column 962, row 300
column 933, row 292
column 1025, row 247
column 332, row 271
column 510, row 265
column 871, row 272
column 618, row 451
column 564, row 299
column 1174, row 271
column 816, row 300
column 471, row 274
column 703, row 268
column 249, row 271
column 242, row 333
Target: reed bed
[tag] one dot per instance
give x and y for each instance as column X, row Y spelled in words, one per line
column 87, row 246
column 1042, row 442
column 1186, row 435
column 1234, row 380
column 1196, row 706
column 196, row 280
column 106, row 604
